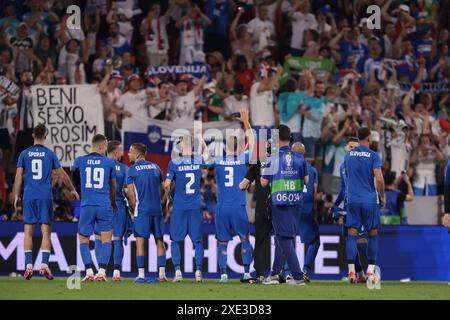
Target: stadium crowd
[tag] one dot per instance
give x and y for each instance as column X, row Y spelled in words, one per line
column 316, row 66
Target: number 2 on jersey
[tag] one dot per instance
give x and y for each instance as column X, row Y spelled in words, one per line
column 191, row 177
column 97, row 176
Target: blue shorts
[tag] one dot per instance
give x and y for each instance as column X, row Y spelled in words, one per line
column 38, row 211
column 308, row 229
column 144, row 224
column 285, row 220
column 231, row 220
column 95, row 218
column 363, row 216
column 184, row 222
column 120, row 220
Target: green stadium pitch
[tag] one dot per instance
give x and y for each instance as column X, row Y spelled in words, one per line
column 42, row 289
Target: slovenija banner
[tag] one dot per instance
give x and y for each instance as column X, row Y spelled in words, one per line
column 73, row 114
column 159, row 136
column 197, row 70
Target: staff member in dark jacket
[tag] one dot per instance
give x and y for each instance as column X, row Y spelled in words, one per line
column 263, row 223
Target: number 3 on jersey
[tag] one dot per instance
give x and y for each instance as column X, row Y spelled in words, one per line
column 97, row 176
column 229, row 176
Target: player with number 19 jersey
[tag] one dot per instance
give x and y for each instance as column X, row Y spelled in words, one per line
column 96, row 171
column 38, row 162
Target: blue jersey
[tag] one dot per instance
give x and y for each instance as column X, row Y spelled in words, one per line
column 359, row 164
column 230, row 171
column 394, row 203
column 146, row 177
column 286, row 173
column 121, row 174
column 187, row 175
column 342, row 196
column 37, row 162
column 96, row 171
column 308, row 190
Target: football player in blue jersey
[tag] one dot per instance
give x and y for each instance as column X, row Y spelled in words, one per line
column 186, row 216
column 34, row 171
column 231, row 213
column 144, row 185
column 364, row 199
column 339, row 215
column 98, row 204
column 115, row 152
column 287, row 175
column 308, row 227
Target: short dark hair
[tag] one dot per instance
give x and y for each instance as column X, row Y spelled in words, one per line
column 352, row 139
column 363, row 133
column 284, row 133
column 113, row 145
column 98, row 138
column 389, row 178
column 40, row 131
column 140, row 147
column 162, row 83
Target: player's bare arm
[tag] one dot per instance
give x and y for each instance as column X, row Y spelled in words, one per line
column 379, row 181
column 61, row 173
column 112, row 194
column 18, row 186
column 264, row 182
column 131, row 197
column 245, row 183
column 245, row 119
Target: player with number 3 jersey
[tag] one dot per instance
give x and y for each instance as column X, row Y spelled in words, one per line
column 231, row 214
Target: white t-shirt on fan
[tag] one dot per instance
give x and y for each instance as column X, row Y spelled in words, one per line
column 261, row 107
column 183, row 107
column 135, row 103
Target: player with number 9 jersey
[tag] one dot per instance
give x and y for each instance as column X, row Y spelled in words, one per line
column 38, row 162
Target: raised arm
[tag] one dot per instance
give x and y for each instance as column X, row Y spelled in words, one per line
column 234, row 25
column 245, row 119
column 198, row 88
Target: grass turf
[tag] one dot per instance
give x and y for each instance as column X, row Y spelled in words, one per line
column 39, row 288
